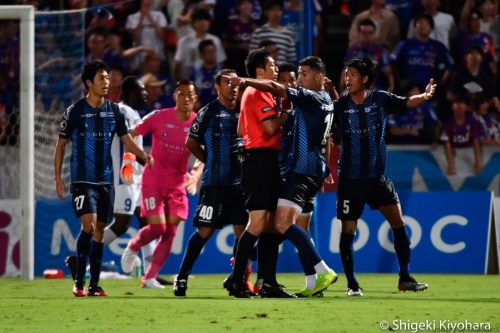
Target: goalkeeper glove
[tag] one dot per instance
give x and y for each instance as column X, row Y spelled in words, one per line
column 127, row 169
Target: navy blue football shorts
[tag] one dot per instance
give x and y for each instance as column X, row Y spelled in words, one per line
column 219, row 206
column 93, row 199
column 352, row 194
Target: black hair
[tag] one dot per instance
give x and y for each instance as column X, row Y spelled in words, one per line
column 205, row 43
column 257, row 58
column 222, row 72
column 90, row 70
column 287, row 67
column 424, row 17
column 129, row 85
column 200, row 14
column 365, row 67
column 367, row 22
column 184, row 82
column 315, row 63
column 99, row 30
column 272, row 3
column 474, row 48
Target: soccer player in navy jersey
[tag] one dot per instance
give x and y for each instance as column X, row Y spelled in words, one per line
column 359, row 127
column 314, row 113
column 91, row 123
column 213, row 140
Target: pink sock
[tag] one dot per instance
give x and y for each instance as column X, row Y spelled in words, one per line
column 162, row 251
column 146, row 235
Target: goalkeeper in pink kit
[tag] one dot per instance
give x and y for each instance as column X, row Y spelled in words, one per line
column 164, row 199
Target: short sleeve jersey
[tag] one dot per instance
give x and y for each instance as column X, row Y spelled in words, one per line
column 91, row 131
column 215, row 127
column 256, row 107
column 360, row 130
column 314, row 115
column 169, row 148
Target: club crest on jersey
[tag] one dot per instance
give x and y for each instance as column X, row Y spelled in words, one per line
column 195, row 128
column 63, row 125
column 267, row 109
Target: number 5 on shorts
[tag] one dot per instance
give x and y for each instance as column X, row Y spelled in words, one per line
column 345, row 206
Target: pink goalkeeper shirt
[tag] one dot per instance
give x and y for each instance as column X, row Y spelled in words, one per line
column 169, row 148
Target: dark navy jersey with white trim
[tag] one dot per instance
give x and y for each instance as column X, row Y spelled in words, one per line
column 313, row 118
column 91, row 131
column 287, row 145
column 360, row 131
column 215, row 127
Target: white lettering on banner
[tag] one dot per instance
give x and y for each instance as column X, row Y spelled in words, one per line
column 415, row 235
column 438, row 227
column 61, row 230
column 336, row 227
column 222, row 240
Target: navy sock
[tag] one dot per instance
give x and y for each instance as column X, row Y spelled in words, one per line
column 268, row 247
column 245, row 247
column 347, row 256
column 82, row 252
column 95, row 258
column 308, row 254
column 402, row 247
column 195, row 245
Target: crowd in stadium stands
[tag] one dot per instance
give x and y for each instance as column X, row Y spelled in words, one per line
column 455, row 42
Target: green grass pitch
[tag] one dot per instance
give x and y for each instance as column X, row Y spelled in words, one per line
column 48, row 306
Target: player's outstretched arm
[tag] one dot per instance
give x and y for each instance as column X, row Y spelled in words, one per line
column 58, row 161
column 416, row 100
column 271, row 86
column 132, row 147
column 196, row 149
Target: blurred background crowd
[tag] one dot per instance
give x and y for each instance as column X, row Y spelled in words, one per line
column 456, row 42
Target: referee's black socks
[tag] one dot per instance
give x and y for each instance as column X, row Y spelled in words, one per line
column 245, row 248
column 268, row 248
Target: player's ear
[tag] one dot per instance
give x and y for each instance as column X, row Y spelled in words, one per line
column 365, row 79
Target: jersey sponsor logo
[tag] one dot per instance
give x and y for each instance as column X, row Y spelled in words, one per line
column 170, row 126
column 106, row 114
column 350, row 111
column 88, row 115
column 267, row 109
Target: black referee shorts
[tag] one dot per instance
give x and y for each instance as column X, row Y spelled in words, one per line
column 260, row 178
column 352, row 194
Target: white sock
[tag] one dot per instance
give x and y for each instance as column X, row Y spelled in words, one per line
column 321, row 267
column 147, row 254
column 311, row 281
column 109, row 236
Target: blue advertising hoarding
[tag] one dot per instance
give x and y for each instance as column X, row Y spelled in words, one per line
column 449, row 233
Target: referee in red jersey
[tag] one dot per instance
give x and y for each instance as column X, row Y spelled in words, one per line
column 260, row 127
